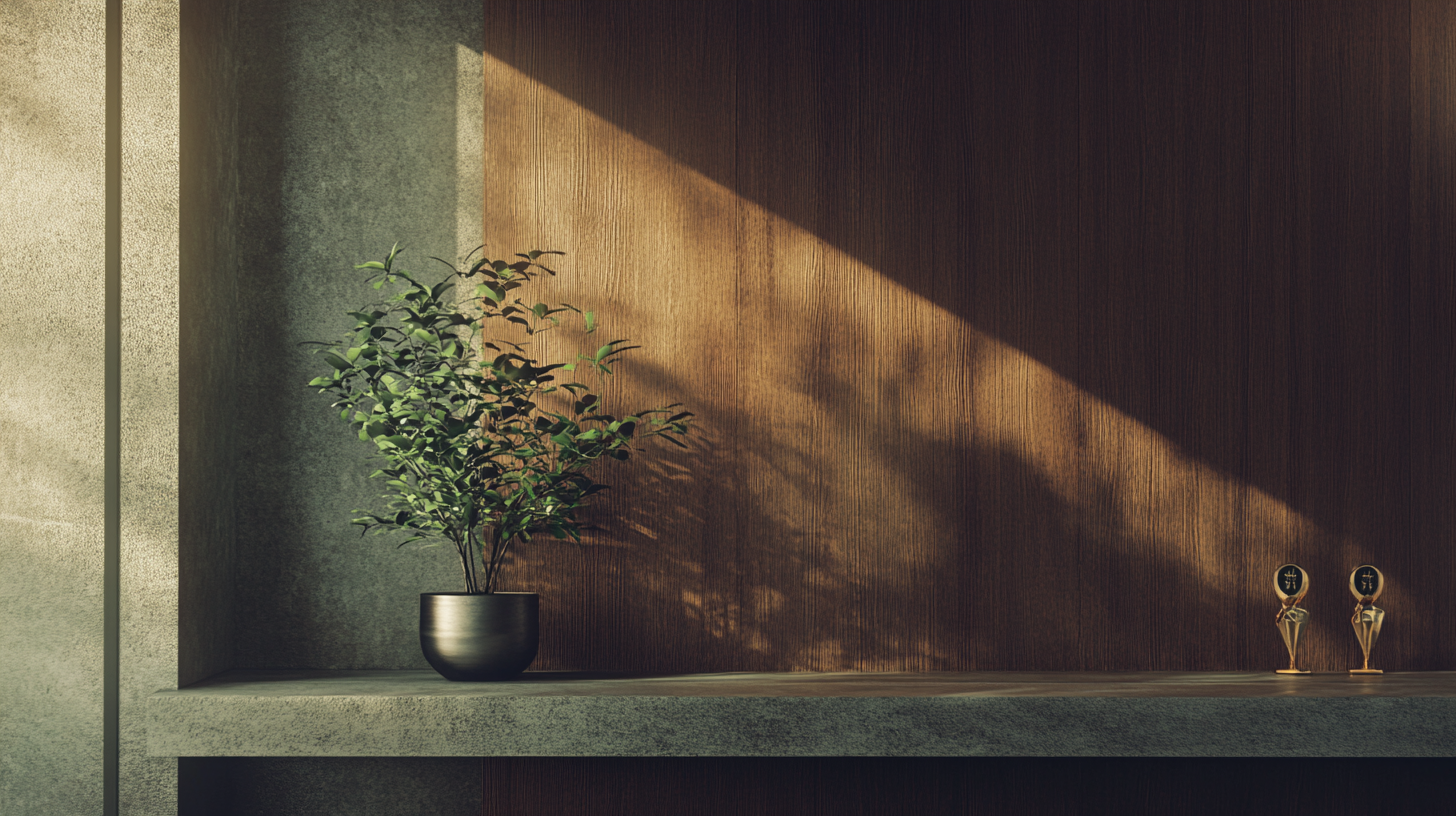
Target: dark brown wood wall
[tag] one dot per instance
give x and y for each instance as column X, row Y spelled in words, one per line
column 1022, row 335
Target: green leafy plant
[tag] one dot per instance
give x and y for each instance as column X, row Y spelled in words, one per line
column 463, row 421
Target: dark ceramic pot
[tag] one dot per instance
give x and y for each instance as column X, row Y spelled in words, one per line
column 479, row 637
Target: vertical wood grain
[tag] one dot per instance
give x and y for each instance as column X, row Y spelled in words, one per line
column 1024, row 336
column 1006, row 263
column 1275, row 531
column 1349, row 310
column 1162, row 330
column 1432, row 614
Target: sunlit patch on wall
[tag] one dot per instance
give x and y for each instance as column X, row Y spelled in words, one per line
column 849, row 424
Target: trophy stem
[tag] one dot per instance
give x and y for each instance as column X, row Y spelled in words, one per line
column 1291, row 625
column 1367, row 630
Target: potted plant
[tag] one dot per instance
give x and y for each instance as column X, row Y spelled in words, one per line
column 480, row 445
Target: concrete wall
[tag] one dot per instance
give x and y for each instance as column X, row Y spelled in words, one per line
column 266, row 148
column 150, row 208
column 52, row 214
column 359, row 124
column 207, row 356
column 349, row 141
column 208, row 335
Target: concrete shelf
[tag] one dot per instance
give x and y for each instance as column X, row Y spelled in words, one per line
column 1145, row 714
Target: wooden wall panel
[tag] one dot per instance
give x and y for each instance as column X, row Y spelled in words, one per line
column 1023, row 335
column 1348, row 318
column 1274, row 530
column 1162, row 331
column 1432, row 348
column 1005, row 262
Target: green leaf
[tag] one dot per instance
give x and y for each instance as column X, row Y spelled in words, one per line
column 602, row 352
column 591, row 322
column 337, row 362
column 370, row 265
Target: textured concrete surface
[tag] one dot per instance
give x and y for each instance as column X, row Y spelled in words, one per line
column 359, row 126
column 207, row 359
column 207, row 343
column 53, row 177
column 149, row 391
column 1162, row 714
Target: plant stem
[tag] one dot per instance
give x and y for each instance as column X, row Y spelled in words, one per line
column 490, row 565
column 500, row 560
column 464, row 564
column 472, row 584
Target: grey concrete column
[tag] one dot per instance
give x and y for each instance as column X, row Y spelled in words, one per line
column 149, row 390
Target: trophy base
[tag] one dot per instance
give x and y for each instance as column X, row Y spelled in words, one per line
column 1291, row 671
column 1367, row 671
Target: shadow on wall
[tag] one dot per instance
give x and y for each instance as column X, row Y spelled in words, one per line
column 360, row 126
column 1022, row 335
column 847, row 524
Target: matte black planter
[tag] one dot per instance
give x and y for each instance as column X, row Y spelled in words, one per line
column 479, row 637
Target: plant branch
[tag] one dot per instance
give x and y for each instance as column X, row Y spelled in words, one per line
column 467, row 441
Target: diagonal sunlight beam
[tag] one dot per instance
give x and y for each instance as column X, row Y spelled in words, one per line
column 861, row 426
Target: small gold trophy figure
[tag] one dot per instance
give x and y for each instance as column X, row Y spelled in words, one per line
column 1291, row 582
column 1366, row 582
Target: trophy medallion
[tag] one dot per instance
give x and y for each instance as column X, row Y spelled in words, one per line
column 1366, row 584
column 1291, row 583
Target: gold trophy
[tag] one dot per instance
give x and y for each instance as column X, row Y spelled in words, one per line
column 1291, row 582
column 1366, row 583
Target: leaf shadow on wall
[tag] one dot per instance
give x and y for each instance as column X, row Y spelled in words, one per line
column 1115, row 195
column 747, row 552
